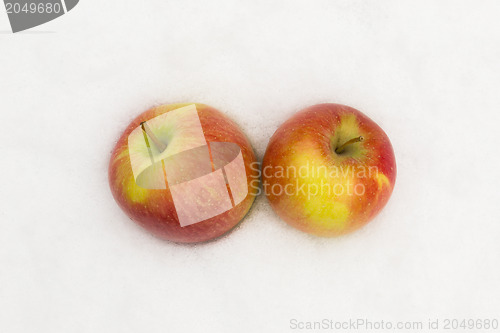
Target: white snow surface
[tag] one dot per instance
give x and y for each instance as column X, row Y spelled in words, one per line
column 428, row 72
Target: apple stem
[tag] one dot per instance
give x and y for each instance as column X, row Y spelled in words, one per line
column 160, row 145
column 340, row 150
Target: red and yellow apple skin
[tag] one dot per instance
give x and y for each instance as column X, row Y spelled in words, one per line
column 307, row 142
column 154, row 209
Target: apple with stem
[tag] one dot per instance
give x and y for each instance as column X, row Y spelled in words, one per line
column 328, row 170
column 183, row 172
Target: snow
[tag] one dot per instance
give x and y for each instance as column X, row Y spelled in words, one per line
column 427, row 72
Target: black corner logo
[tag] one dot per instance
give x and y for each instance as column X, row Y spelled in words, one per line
column 26, row 14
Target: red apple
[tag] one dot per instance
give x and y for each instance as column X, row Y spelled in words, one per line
column 328, row 170
column 183, row 172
